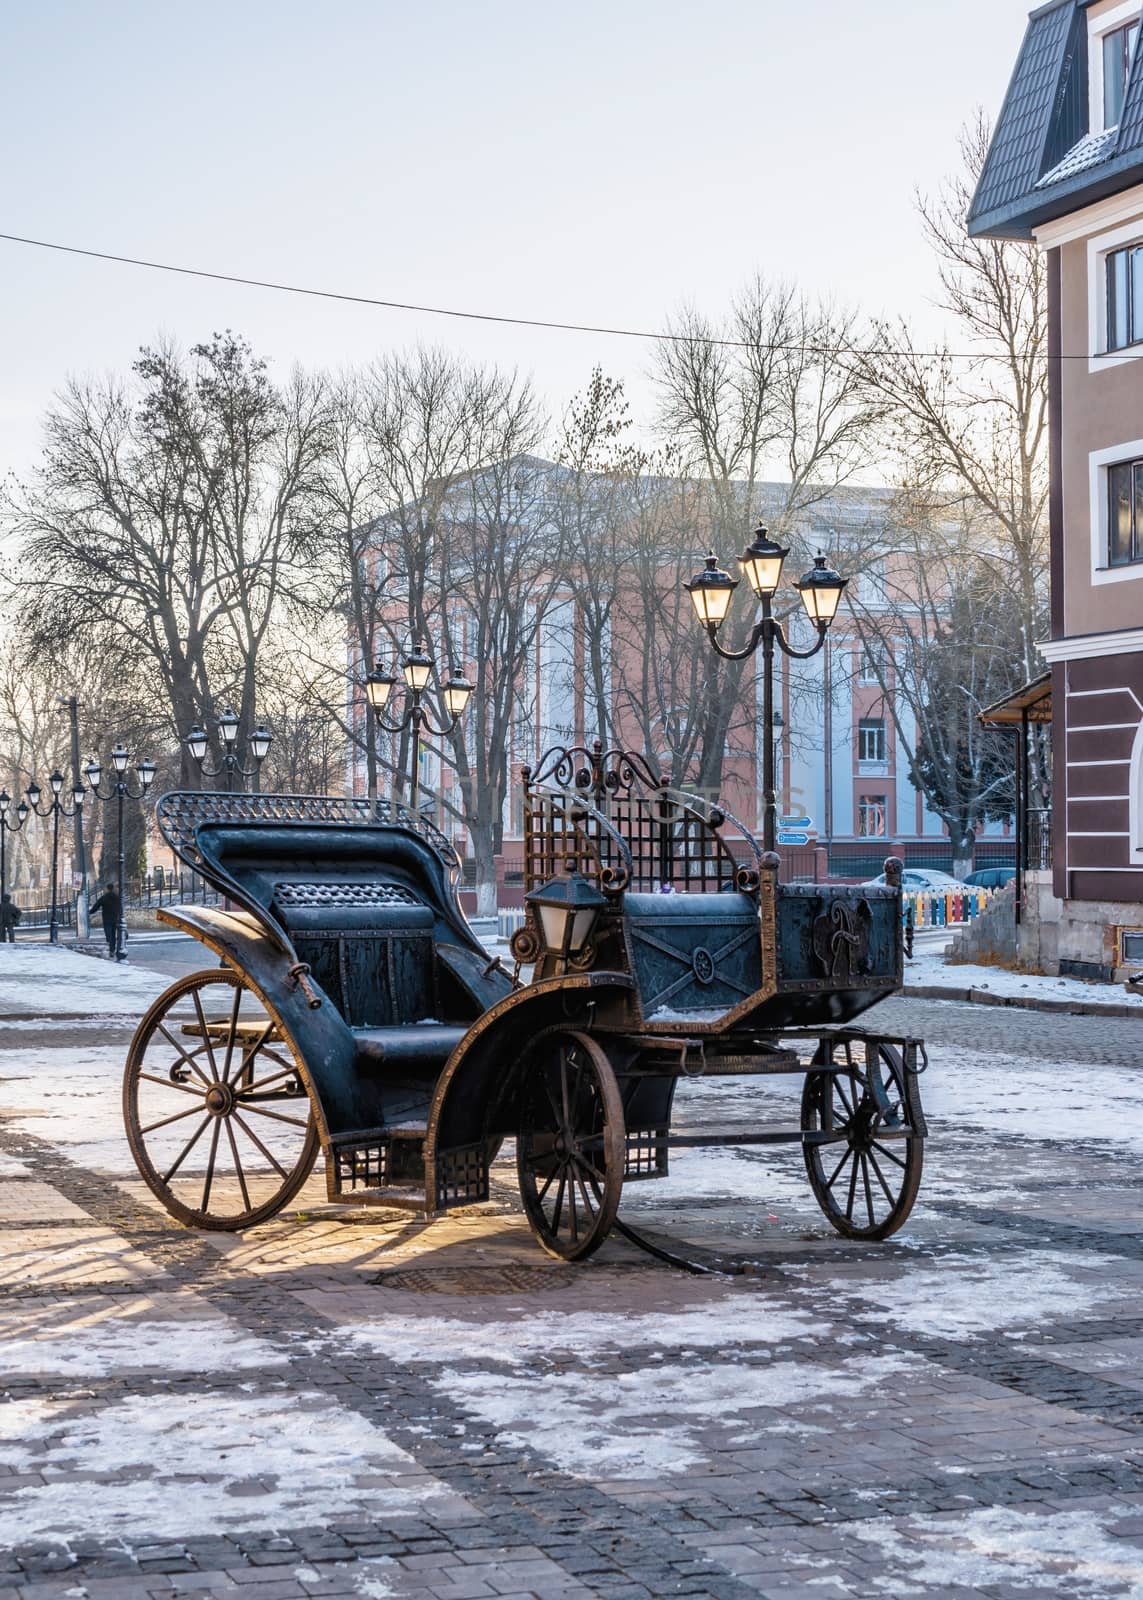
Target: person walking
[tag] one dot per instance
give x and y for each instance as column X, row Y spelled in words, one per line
column 9, row 916
column 109, row 905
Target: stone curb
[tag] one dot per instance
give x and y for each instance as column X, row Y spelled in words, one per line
column 984, row 997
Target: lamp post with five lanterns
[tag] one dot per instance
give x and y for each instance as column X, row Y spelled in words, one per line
column 820, row 589
column 417, row 671
column 120, row 790
column 55, row 809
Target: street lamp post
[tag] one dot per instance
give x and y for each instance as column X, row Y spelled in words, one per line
column 820, row 589
column 7, row 826
column 417, row 670
column 55, row 809
column 120, row 790
column 258, row 745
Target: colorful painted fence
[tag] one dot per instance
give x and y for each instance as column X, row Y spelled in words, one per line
column 944, row 910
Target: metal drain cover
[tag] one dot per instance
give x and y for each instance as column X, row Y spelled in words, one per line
column 476, row 1280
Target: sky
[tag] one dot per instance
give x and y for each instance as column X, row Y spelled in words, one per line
column 603, row 163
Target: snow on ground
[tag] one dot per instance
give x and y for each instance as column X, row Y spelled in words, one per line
column 126, row 1346
column 72, row 1096
column 194, row 1466
column 45, row 980
column 648, row 1424
column 1058, row 1552
column 1012, row 1096
column 930, row 968
column 964, row 1295
column 588, row 1336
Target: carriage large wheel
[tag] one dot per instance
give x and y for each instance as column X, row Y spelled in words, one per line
column 217, row 1117
column 866, row 1173
column 570, row 1146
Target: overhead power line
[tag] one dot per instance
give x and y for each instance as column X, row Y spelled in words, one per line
column 515, row 322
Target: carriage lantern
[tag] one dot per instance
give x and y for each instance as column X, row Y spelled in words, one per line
column 567, row 908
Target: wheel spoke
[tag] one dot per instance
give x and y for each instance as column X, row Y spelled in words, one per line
column 843, row 1097
column 254, row 1140
column 206, row 1039
column 209, row 1179
column 169, row 1083
column 852, row 1187
column 868, row 1191
column 837, row 1170
column 889, row 1195
column 238, row 1166
column 551, row 1178
column 889, row 1155
column 588, row 1210
column 559, row 1205
column 263, row 1111
column 230, row 1037
column 190, row 1111
column 187, row 1148
column 187, row 1056
column 564, row 1087
column 571, row 1204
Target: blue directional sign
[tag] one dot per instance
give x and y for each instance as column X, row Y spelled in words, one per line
column 802, row 824
column 793, row 838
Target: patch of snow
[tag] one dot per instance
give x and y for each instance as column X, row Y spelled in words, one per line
column 583, row 1335
column 927, row 968
column 1066, row 1552
column 128, row 1345
column 1012, row 1095
column 73, row 1096
column 645, row 1424
column 46, row 979
column 963, row 1295
column 180, row 1465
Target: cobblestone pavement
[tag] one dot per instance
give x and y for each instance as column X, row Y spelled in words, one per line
column 346, row 1402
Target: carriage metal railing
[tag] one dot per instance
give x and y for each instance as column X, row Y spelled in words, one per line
column 605, row 814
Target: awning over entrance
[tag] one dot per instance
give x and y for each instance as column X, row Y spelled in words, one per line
column 1032, row 703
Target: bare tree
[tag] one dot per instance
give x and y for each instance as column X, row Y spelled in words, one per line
column 939, row 638
column 166, row 518
column 764, row 389
column 596, row 495
column 976, row 430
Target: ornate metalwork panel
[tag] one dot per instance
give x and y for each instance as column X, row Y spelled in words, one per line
column 834, row 938
column 181, row 813
column 693, row 952
column 343, row 894
column 605, row 814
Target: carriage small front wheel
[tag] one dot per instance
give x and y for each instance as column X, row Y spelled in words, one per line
column 217, row 1116
column 570, row 1144
column 863, row 1160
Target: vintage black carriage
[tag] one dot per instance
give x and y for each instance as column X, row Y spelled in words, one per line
column 356, row 1013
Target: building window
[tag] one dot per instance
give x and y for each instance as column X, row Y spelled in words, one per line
column 873, row 663
column 1125, row 513
column 1125, row 297
column 871, row 739
column 1118, row 48
column 872, row 816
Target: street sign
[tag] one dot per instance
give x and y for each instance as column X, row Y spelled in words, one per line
column 793, row 838
column 803, row 824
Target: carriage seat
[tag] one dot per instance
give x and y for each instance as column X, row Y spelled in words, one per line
column 417, row 1047
column 370, row 946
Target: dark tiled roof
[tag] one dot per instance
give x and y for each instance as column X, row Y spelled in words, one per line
column 1043, row 161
